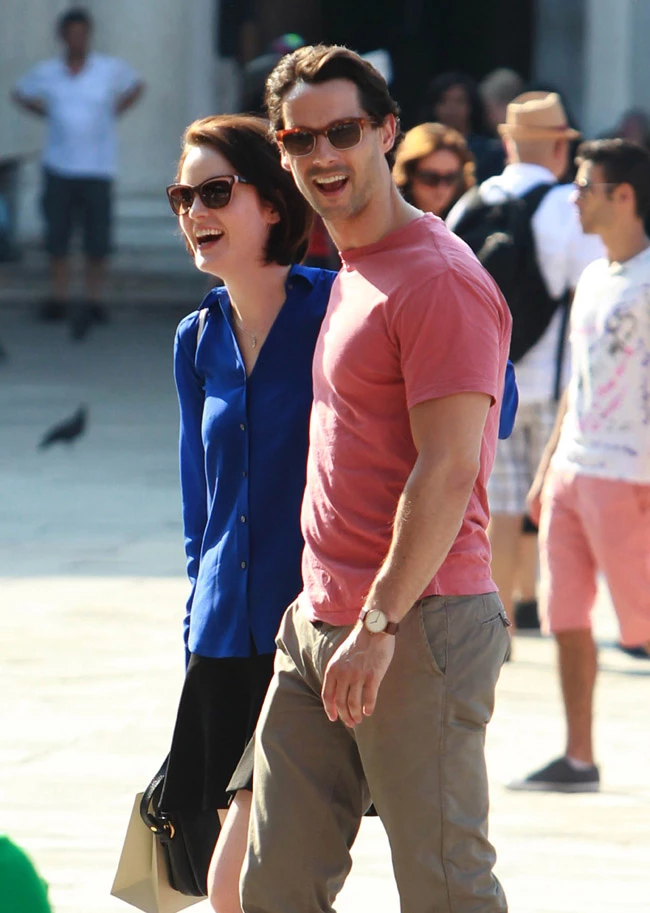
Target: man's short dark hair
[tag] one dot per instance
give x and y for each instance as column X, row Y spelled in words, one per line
column 321, row 63
column 623, row 162
column 72, row 17
column 244, row 141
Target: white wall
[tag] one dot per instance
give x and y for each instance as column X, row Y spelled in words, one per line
column 597, row 52
column 171, row 43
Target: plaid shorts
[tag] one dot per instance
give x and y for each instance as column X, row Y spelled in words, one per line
column 517, row 458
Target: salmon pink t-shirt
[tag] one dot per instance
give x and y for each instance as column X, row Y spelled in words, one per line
column 411, row 318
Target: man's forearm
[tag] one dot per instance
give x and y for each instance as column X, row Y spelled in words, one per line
column 33, row 105
column 429, row 516
column 551, row 446
column 129, row 99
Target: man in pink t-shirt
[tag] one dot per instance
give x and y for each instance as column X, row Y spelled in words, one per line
column 387, row 663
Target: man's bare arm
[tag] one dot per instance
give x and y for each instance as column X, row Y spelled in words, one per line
column 533, row 499
column 33, row 105
column 447, row 433
column 129, row 98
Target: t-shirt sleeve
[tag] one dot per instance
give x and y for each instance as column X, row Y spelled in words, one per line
column 451, row 334
column 125, row 78
column 34, row 84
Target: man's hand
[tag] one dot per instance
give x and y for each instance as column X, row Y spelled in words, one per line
column 354, row 674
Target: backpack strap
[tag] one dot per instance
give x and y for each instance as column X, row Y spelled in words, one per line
column 534, row 197
column 203, row 315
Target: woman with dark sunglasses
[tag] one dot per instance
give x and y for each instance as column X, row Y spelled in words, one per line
column 433, row 168
column 243, row 374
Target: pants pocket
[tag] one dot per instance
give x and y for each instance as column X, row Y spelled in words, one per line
column 434, row 630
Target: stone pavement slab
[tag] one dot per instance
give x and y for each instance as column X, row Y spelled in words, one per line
column 91, row 599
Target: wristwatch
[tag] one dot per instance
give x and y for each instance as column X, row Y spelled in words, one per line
column 375, row 621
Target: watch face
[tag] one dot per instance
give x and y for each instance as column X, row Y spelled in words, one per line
column 376, row 621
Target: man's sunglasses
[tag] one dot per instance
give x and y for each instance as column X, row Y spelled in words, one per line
column 582, row 188
column 437, row 178
column 215, row 193
column 342, row 134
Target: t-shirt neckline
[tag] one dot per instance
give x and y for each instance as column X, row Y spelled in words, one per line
column 393, row 239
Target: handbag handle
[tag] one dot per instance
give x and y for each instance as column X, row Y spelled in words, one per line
column 155, row 821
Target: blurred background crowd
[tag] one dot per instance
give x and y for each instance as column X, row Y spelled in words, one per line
column 456, row 64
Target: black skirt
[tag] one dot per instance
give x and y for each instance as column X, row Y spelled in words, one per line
column 217, row 713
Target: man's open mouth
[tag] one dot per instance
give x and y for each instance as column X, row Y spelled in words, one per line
column 331, row 184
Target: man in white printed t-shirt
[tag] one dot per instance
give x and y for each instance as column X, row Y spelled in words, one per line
column 536, row 136
column 594, row 477
column 81, row 95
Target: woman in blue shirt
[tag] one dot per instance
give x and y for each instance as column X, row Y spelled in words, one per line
column 242, row 366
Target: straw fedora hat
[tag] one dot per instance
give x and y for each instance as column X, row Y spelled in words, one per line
column 537, row 116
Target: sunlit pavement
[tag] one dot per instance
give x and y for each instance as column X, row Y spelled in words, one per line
column 92, row 592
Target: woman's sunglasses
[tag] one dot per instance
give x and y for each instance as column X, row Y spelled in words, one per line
column 342, row 134
column 215, row 193
column 437, row 178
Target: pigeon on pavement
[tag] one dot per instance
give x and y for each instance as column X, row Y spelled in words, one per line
column 66, row 431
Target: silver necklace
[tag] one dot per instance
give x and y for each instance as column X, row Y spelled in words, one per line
column 252, row 336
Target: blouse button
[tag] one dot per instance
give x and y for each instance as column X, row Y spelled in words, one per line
column 243, row 518
column 243, row 426
column 243, row 565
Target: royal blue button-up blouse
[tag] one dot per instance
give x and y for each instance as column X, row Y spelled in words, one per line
column 243, row 455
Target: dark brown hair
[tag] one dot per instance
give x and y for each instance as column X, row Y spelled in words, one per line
column 244, row 140
column 321, row 63
column 623, row 162
column 420, row 142
column 76, row 16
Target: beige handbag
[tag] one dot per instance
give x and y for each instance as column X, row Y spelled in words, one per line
column 141, row 878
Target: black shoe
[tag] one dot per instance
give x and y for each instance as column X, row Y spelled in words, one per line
column 52, row 309
column 526, row 615
column 562, row 777
column 99, row 312
column 83, row 317
column 81, row 320
column 639, row 652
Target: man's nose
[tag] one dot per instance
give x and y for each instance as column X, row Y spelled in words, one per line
column 324, row 152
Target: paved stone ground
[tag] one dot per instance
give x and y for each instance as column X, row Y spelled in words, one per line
column 91, row 594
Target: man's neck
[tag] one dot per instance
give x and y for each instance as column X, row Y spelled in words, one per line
column 386, row 213
column 622, row 243
column 76, row 62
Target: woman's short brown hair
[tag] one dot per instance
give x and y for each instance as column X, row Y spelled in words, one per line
column 244, row 140
column 422, row 141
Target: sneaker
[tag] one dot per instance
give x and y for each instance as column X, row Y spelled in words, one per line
column 562, row 777
column 98, row 312
column 81, row 321
column 51, row 309
column 526, row 615
column 639, row 652
column 83, row 316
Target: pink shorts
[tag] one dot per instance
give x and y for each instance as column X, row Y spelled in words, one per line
column 589, row 525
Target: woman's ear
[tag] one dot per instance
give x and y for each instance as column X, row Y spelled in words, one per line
column 271, row 214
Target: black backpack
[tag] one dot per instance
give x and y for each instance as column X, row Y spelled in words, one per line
column 501, row 236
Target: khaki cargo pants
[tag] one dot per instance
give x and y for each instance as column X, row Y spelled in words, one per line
column 420, row 756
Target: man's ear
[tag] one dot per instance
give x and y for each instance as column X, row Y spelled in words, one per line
column 285, row 161
column 388, row 132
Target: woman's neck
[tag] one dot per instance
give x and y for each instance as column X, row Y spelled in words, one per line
column 257, row 296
